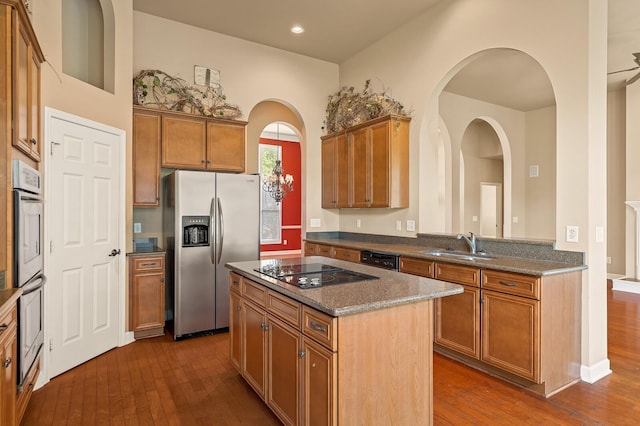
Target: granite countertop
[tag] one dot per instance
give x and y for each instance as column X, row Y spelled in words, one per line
column 496, row 262
column 9, row 296
column 391, row 289
column 145, row 250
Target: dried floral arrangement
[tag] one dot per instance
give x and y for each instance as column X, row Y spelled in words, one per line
column 157, row 89
column 347, row 108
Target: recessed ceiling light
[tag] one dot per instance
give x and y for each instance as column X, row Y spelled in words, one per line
column 297, row 29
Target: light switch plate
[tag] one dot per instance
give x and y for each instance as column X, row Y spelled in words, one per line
column 411, row 225
column 314, row 223
column 137, row 228
column 398, row 225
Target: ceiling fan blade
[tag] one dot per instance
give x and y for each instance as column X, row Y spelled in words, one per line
column 633, row 79
column 628, row 69
column 636, row 57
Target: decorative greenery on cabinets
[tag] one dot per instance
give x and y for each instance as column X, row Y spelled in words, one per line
column 157, row 89
column 347, row 108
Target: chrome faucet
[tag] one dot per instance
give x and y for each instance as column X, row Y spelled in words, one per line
column 470, row 241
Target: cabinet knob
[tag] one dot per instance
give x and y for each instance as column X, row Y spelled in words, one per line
column 33, row 141
column 264, row 326
column 301, row 353
column 3, row 327
column 7, row 362
column 238, row 308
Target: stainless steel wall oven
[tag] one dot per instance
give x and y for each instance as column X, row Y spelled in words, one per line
column 28, row 223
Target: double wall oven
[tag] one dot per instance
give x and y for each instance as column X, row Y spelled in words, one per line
column 28, row 264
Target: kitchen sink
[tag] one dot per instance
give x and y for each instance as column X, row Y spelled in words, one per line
column 457, row 255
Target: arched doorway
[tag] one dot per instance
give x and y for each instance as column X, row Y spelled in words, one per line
column 280, row 222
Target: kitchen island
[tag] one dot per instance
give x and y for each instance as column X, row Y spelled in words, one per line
column 354, row 353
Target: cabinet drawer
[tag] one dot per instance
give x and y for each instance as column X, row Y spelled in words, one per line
column 421, row 267
column 254, row 292
column 320, row 327
column 324, row 250
column 458, row 274
column 9, row 319
column 235, row 281
column 349, row 255
column 147, row 263
column 285, row 308
column 310, row 249
column 516, row 284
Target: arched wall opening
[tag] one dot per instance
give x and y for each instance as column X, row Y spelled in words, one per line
column 527, row 139
column 265, row 116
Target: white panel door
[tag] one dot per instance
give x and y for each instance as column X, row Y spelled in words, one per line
column 84, row 260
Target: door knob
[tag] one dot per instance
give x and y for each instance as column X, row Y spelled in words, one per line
column 114, row 252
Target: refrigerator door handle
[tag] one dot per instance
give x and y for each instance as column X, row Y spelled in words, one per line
column 212, row 215
column 220, row 232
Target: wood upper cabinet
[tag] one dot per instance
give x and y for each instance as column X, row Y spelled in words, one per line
column 226, row 146
column 198, row 143
column 147, row 295
column 378, row 166
column 26, row 87
column 335, row 172
column 146, row 157
column 184, row 142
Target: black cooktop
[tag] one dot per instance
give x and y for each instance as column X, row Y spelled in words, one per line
column 311, row 275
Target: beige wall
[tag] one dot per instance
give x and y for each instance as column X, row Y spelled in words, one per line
column 632, row 154
column 417, row 61
column 250, row 74
column 541, row 190
column 616, row 181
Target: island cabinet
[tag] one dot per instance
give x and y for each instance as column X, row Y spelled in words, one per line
column 313, row 368
column 335, row 252
column 8, row 363
column 367, row 165
column 147, row 295
column 523, row 328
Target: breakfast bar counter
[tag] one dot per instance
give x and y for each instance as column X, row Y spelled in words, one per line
column 354, row 349
column 389, row 289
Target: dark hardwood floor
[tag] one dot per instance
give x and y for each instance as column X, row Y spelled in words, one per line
column 161, row 382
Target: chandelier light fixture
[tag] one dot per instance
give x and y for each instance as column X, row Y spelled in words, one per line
column 277, row 184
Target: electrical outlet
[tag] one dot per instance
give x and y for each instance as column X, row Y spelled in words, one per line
column 411, row 225
column 599, row 234
column 515, row 219
column 398, row 225
column 572, row 234
column 358, row 223
column 285, row 242
column 608, row 260
column 474, row 218
column 137, row 228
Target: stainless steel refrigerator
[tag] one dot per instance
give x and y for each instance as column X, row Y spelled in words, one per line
column 209, row 219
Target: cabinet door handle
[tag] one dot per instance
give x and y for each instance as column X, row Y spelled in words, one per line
column 264, row 326
column 7, row 362
column 3, row 327
column 149, row 264
column 507, row 283
column 317, row 326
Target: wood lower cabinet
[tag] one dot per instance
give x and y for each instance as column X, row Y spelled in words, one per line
column 146, row 157
column 511, row 334
column 147, row 295
column 457, row 317
column 523, row 328
column 334, row 252
column 367, row 165
column 8, row 363
column 314, row 369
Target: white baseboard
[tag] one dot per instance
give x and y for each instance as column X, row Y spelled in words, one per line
column 592, row 374
column 628, row 285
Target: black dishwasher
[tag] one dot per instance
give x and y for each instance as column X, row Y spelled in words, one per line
column 380, row 260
